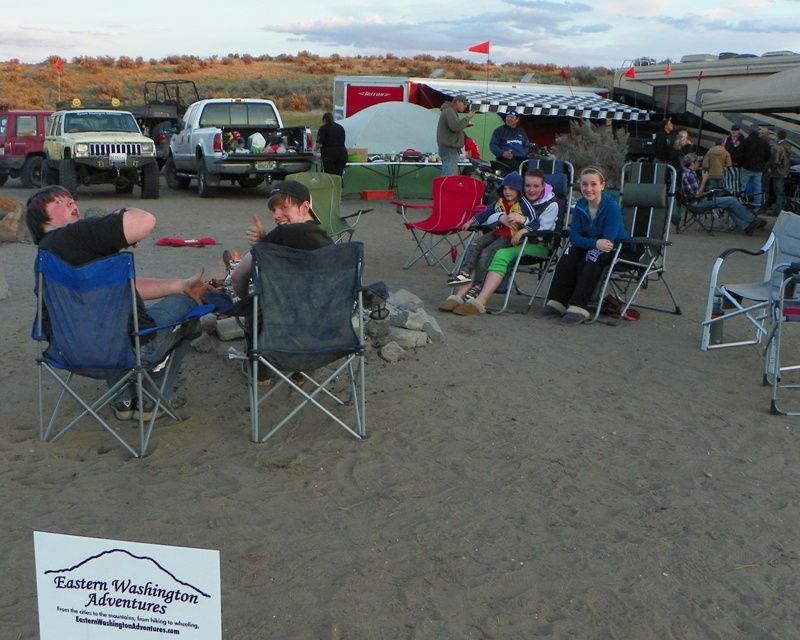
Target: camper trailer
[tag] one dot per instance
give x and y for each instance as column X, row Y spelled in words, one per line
column 687, row 92
column 546, row 109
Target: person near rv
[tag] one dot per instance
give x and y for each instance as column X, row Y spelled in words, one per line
column 732, row 144
column 715, row 161
column 779, row 165
column 681, row 145
column 661, row 143
column 509, row 142
column 695, row 194
column 755, row 157
column 331, row 145
column 450, row 133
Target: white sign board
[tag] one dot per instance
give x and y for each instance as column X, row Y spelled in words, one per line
column 89, row 587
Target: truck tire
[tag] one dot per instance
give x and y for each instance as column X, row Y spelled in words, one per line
column 204, row 190
column 3, row 178
column 174, row 181
column 31, row 174
column 68, row 176
column 150, row 181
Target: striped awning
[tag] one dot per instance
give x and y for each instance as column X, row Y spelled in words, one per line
column 589, row 106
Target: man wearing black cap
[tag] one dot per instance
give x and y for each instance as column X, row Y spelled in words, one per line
column 509, row 142
column 296, row 226
column 732, row 145
column 450, row 133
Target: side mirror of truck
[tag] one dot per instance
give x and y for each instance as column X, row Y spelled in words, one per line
column 179, row 127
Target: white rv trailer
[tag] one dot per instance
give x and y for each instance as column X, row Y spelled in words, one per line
column 677, row 90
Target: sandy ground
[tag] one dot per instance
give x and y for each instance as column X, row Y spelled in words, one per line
column 520, row 480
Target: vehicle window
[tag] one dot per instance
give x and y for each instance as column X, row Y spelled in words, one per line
column 215, row 115
column 262, row 114
column 669, row 99
column 26, row 126
column 3, row 126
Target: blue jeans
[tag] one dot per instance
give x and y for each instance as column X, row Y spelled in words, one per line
column 740, row 215
column 449, row 161
column 779, row 189
column 750, row 184
column 166, row 341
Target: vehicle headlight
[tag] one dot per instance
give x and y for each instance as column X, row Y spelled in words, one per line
column 81, row 150
column 148, row 148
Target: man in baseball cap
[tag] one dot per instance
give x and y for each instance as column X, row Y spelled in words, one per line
column 296, row 226
column 510, row 142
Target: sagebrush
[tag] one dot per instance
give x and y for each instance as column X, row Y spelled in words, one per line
column 588, row 144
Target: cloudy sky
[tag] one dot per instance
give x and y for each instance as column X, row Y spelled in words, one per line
column 565, row 33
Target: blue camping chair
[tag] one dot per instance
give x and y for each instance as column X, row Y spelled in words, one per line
column 560, row 175
column 301, row 320
column 87, row 326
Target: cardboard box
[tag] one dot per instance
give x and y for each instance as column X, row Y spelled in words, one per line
column 360, row 153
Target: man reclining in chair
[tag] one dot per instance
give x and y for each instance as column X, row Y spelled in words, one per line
column 296, row 226
column 696, row 196
column 55, row 224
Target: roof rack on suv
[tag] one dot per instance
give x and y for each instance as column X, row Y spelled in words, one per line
column 89, row 103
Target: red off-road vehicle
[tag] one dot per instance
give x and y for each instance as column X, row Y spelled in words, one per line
column 22, row 146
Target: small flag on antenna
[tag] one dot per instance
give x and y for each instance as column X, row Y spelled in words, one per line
column 483, row 47
column 699, row 76
column 630, row 73
column 668, row 70
column 563, row 74
column 58, row 65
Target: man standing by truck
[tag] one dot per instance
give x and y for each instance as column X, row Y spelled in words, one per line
column 331, row 145
column 450, row 133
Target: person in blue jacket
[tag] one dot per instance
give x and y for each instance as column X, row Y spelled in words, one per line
column 595, row 230
column 509, row 142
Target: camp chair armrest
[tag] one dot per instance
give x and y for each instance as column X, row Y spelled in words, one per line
column 401, row 208
column 355, row 213
column 647, row 241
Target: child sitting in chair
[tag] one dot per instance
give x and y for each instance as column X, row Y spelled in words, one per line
column 510, row 212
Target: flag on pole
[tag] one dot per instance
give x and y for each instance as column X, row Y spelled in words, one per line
column 668, row 70
column 483, row 47
column 699, row 76
column 630, row 73
column 563, row 74
column 58, row 65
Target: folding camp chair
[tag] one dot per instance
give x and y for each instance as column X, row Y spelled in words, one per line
column 302, row 319
column 87, row 316
column 560, row 175
column 455, row 200
column 326, row 196
column 646, row 198
column 785, row 309
column 709, row 219
column 750, row 301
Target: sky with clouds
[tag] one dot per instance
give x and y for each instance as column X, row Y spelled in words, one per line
column 565, row 33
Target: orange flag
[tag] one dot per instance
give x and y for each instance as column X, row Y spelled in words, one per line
column 58, row 65
column 630, row 73
column 699, row 76
column 483, row 47
column 668, row 70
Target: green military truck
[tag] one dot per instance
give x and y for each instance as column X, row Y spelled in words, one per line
column 87, row 146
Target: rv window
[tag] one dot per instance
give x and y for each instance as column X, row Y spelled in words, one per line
column 670, row 99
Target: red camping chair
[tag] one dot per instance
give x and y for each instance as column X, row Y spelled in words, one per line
column 455, row 200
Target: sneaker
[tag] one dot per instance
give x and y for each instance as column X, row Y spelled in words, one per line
column 757, row 223
column 459, row 278
column 472, row 293
column 123, row 409
column 548, row 313
column 471, row 308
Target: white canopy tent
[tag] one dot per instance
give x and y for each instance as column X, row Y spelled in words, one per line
column 392, row 127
